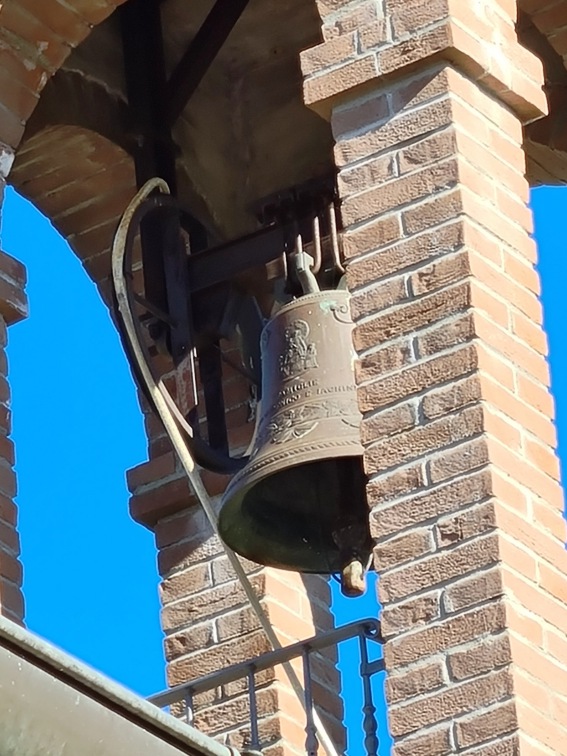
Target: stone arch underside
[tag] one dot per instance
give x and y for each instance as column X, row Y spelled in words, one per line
column 72, row 39
column 245, row 134
column 241, row 138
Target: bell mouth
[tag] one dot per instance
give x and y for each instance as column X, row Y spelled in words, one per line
column 303, row 518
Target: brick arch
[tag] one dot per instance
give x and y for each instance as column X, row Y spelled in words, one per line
column 39, row 38
column 82, row 182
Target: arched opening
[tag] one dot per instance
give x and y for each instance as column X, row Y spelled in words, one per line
column 89, row 571
column 227, row 210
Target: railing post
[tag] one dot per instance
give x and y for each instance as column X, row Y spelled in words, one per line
column 254, row 734
column 364, row 630
column 311, row 742
column 369, row 724
column 189, row 706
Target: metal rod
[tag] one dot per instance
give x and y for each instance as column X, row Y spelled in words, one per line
column 266, row 661
column 369, row 724
column 317, row 251
column 240, row 369
column 335, row 249
column 210, row 369
column 200, row 54
column 311, row 742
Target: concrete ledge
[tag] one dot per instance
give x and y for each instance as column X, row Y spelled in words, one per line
column 52, row 703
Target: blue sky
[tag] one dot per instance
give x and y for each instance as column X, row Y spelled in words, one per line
column 90, row 577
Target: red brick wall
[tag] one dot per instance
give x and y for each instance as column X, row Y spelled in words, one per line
column 453, row 381
column 426, row 101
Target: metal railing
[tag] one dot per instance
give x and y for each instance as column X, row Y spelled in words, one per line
column 366, row 631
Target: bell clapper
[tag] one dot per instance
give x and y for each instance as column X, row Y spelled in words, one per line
column 353, row 578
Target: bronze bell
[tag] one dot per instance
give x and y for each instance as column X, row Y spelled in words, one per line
column 300, row 503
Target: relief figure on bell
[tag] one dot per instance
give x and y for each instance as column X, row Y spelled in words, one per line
column 298, row 355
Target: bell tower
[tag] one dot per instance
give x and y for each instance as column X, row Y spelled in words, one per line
column 374, row 150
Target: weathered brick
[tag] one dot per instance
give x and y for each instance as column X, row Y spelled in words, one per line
column 368, row 174
column 355, row 16
column 9, row 539
column 316, row 59
column 410, row 614
column 480, row 657
column 453, row 397
column 426, row 505
column 432, row 212
column 151, row 471
column 474, row 590
column 496, row 722
column 351, row 74
column 443, row 336
column 450, row 702
column 223, row 571
column 180, row 556
column 8, row 510
column 11, row 601
column 418, row 680
column 198, row 637
column 405, row 128
column 235, row 710
column 409, row 445
column 371, row 236
column 206, row 604
column 388, row 487
column 409, row 317
column 361, row 114
column 435, row 742
column 384, row 360
column 374, row 35
column 217, row 657
column 440, row 274
column 388, row 423
column 464, row 458
column 467, row 524
column 10, row 566
column 378, row 297
column 431, row 640
column 400, row 192
column 397, row 257
column 433, row 570
column 182, row 584
column 423, row 14
column 404, row 548
column 416, row 378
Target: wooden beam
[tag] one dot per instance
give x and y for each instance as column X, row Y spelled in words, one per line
column 200, row 54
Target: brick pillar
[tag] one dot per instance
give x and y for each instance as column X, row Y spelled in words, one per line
column 13, row 308
column 427, row 103
column 207, row 620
